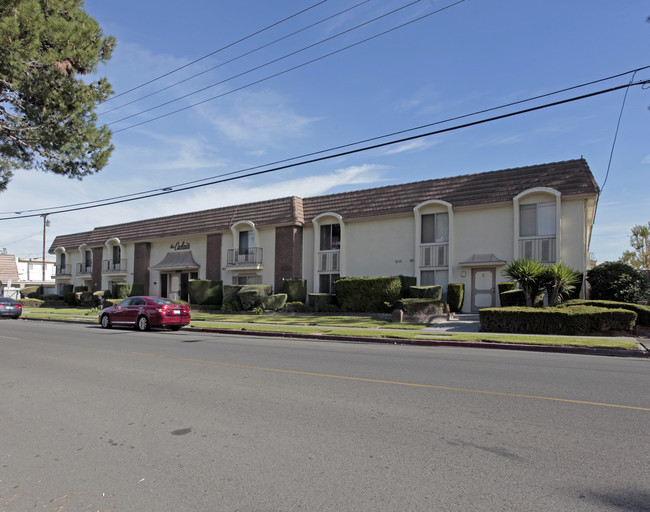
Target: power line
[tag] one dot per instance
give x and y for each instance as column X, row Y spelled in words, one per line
column 275, row 75
column 235, row 58
column 342, row 146
column 215, row 51
column 352, row 151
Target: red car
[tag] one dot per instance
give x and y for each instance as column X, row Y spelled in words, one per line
column 145, row 312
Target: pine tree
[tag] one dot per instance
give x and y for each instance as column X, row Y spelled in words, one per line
column 47, row 104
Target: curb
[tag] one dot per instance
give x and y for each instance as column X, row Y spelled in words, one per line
column 434, row 343
column 641, row 353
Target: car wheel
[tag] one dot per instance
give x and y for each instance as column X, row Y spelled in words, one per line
column 143, row 323
column 106, row 322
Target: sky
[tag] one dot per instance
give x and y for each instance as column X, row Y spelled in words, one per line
column 285, row 79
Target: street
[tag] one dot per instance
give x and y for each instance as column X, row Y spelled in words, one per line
column 119, row 420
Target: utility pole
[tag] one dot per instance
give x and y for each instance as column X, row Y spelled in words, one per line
column 46, row 223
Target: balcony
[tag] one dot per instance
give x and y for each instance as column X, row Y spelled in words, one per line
column 63, row 270
column 434, row 255
column 249, row 258
column 84, row 269
column 329, row 261
column 114, row 267
column 537, row 248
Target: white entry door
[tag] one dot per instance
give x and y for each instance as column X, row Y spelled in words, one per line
column 483, row 288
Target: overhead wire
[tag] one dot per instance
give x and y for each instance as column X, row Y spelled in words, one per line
column 351, row 151
column 342, row 146
column 215, row 51
column 275, row 75
column 240, row 56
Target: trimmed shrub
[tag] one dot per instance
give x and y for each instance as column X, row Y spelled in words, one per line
column 643, row 312
column 251, row 295
column 296, row 307
column 67, row 288
column 422, row 307
column 510, row 298
column 30, row 303
column 455, row 296
column 617, row 281
column 70, row 299
column 367, row 294
column 274, row 302
column 318, row 301
column 205, row 292
column 122, row 290
column 32, row 292
column 568, row 321
column 231, row 293
column 426, row 292
column 407, row 282
column 296, row 290
column 506, row 286
column 78, row 289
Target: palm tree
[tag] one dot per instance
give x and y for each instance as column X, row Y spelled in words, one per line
column 530, row 276
column 561, row 281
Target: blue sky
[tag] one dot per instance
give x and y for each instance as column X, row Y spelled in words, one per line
column 472, row 56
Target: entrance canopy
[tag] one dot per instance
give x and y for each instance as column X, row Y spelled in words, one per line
column 483, row 260
column 182, row 260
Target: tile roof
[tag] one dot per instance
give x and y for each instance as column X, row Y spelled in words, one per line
column 8, row 268
column 571, row 177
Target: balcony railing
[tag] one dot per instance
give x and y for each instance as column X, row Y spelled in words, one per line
column 537, row 248
column 248, row 256
column 117, row 266
column 84, row 269
column 329, row 261
column 434, row 255
column 63, row 270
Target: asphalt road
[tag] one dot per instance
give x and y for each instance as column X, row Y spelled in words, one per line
column 117, row 420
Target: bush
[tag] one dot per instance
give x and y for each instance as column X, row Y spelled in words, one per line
column 274, row 302
column 618, row 282
column 231, row 294
column 79, row 289
column 568, row 321
column 296, row 307
column 30, row 303
column 296, row 290
column 643, row 312
column 367, row 294
column 33, row 292
column 426, row 292
column 124, row 290
column 318, row 301
column 510, row 298
column 455, row 296
column 70, row 299
column 406, row 282
column 251, row 295
column 422, row 307
column 205, row 292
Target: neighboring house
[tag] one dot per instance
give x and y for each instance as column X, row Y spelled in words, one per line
column 9, row 286
column 30, row 272
column 462, row 229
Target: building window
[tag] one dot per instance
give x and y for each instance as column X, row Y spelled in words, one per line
column 330, row 237
column 117, row 254
column 435, row 277
column 246, row 241
column 435, row 228
column 537, row 219
column 244, row 279
column 326, row 282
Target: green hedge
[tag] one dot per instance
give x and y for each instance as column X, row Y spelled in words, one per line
column 205, row 292
column 568, row 321
column 124, row 290
column 274, row 302
column 426, row 292
column 368, row 294
column 643, row 312
column 407, row 282
column 455, row 296
column 296, row 307
column 422, row 307
column 320, row 301
column 32, row 292
column 296, row 290
column 251, row 295
column 30, row 303
column 231, row 294
column 510, row 298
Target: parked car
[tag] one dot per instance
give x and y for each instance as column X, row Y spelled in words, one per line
column 9, row 307
column 145, row 312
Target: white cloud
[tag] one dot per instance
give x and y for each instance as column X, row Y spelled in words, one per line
column 413, row 145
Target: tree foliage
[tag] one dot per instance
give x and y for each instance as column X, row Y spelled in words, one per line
column 48, row 49
column 617, row 281
column 529, row 274
column 559, row 280
column 639, row 258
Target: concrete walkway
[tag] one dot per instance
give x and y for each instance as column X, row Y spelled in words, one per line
column 460, row 322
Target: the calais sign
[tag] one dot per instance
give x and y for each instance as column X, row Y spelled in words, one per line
column 180, row 246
